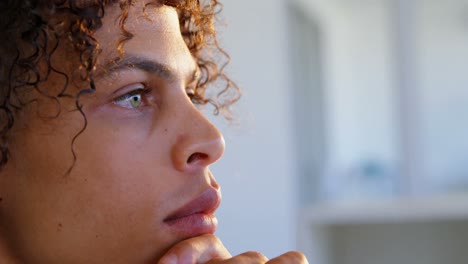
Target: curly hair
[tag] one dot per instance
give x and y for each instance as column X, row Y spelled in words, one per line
column 35, row 29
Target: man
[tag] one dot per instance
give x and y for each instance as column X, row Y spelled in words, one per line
column 104, row 153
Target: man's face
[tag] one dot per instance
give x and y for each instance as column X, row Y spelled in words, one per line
column 141, row 181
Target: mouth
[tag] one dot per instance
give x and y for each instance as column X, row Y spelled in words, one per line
column 197, row 216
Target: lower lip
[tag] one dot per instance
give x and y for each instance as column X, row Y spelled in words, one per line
column 194, row 225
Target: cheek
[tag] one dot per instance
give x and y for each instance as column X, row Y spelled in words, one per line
column 126, row 177
column 124, row 169
column 115, row 197
column 42, row 150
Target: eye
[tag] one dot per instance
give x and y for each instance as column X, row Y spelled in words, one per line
column 134, row 99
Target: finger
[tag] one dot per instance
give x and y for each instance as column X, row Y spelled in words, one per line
column 292, row 257
column 199, row 249
column 251, row 257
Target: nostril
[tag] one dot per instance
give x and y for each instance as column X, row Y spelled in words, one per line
column 196, row 156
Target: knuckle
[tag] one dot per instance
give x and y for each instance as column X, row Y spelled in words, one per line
column 295, row 257
column 255, row 256
column 181, row 248
column 214, row 239
column 190, row 244
column 209, row 239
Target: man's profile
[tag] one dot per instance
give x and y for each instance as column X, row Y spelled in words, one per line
column 105, row 154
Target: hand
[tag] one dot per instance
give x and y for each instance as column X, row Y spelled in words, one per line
column 252, row 257
column 209, row 249
column 200, row 249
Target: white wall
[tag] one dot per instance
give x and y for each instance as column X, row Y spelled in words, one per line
column 442, row 60
column 360, row 93
column 359, row 84
column 257, row 171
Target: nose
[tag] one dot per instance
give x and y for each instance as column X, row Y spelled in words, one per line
column 198, row 144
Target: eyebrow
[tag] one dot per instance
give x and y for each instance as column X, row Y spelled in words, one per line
column 131, row 62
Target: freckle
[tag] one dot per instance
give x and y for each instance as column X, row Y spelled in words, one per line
column 97, row 236
column 165, row 130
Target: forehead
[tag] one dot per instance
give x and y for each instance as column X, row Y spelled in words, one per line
column 140, row 11
column 148, row 32
column 90, row 3
column 143, row 21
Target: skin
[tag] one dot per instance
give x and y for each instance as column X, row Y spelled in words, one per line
column 135, row 166
column 132, row 169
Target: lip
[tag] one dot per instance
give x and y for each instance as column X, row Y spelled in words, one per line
column 197, row 216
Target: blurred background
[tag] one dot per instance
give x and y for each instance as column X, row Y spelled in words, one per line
column 350, row 142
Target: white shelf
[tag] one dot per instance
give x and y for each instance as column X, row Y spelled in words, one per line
column 345, row 232
column 398, row 210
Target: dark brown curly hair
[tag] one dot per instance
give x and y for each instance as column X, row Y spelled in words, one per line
column 32, row 30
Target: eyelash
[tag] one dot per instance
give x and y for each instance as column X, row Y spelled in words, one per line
column 144, row 92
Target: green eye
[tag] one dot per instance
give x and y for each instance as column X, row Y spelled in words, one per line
column 135, row 100
column 132, row 100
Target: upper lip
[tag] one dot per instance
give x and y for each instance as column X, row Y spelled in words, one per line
column 205, row 203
